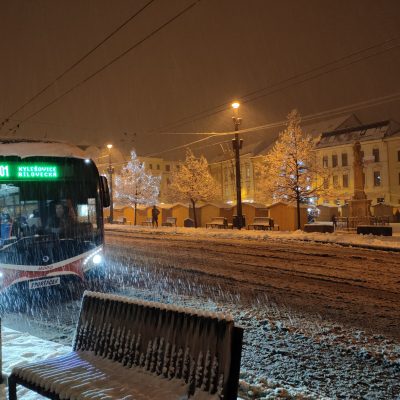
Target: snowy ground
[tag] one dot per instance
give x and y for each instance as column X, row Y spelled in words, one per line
column 20, row 348
column 286, row 354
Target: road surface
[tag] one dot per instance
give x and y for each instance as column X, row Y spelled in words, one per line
column 355, row 287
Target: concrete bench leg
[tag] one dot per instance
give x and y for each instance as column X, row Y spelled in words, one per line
column 12, row 388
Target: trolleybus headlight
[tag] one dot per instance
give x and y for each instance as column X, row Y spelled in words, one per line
column 97, row 259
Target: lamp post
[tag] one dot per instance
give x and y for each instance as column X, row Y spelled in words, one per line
column 110, row 174
column 237, row 145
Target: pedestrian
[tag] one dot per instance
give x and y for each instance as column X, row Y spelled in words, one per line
column 154, row 216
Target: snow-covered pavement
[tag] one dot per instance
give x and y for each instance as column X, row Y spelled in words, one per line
column 20, row 348
column 288, row 352
column 284, row 354
column 339, row 237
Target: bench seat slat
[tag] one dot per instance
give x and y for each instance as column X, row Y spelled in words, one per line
column 87, row 376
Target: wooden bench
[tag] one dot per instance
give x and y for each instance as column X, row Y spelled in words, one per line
column 170, row 221
column 218, row 222
column 379, row 230
column 147, row 222
column 129, row 349
column 320, row 228
column 262, row 223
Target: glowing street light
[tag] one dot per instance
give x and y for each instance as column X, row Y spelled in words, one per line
column 237, row 145
column 235, row 105
column 110, row 174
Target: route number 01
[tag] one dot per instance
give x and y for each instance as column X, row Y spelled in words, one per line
column 4, row 172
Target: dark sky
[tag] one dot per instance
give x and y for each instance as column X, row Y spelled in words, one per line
column 218, row 51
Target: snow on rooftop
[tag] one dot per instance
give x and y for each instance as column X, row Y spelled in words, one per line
column 28, row 148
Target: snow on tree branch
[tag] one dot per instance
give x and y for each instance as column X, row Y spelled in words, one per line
column 134, row 186
column 193, row 181
column 290, row 171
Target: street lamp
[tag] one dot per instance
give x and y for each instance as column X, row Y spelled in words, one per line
column 110, row 174
column 237, row 145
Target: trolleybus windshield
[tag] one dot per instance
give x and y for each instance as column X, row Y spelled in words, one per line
column 48, row 200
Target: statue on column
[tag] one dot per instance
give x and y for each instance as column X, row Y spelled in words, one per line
column 359, row 193
column 359, row 205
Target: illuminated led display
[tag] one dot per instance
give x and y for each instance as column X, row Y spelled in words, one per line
column 28, row 171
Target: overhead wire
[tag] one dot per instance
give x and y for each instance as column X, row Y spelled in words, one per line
column 115, row 59
column 217, row 109
column 76, row 63
column 308, row 118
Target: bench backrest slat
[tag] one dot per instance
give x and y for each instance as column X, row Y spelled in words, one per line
column 172, row 342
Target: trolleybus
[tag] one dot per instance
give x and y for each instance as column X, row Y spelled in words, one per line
column 51, row 215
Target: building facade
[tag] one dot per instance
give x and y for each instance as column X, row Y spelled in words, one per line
column 162, row 168
column 380, row 146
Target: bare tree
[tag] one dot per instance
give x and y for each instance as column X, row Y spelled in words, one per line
column 134, row 186
column 193, row 182
column 290, row 171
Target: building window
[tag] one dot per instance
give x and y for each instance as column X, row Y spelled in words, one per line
column 326, row 183
column 375, row 153
column 150, row 166
column 377, row 178
column 158, row 166
column 380, row 200
column 335, row 181
column 167, row 168
column 346, row 181
column 325, row 161
column 344, row 160
column 334, row 160
column 168, row 181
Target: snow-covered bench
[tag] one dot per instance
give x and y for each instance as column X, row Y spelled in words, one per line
column 218, row 222
column 170, row 221
column 147, row 222
column 127, row 349
column 262, row 223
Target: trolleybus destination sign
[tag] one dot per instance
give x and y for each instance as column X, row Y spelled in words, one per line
column 28, row 171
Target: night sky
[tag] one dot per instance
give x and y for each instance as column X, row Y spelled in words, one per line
column 184, row 77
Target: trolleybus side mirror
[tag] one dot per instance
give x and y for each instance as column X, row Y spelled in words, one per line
column 105, row 191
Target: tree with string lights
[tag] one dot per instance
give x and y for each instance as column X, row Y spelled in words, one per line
column 193, row 182
column 290, row 171
column 134, row 186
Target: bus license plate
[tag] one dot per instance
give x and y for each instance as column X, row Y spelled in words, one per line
column 44, row 282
